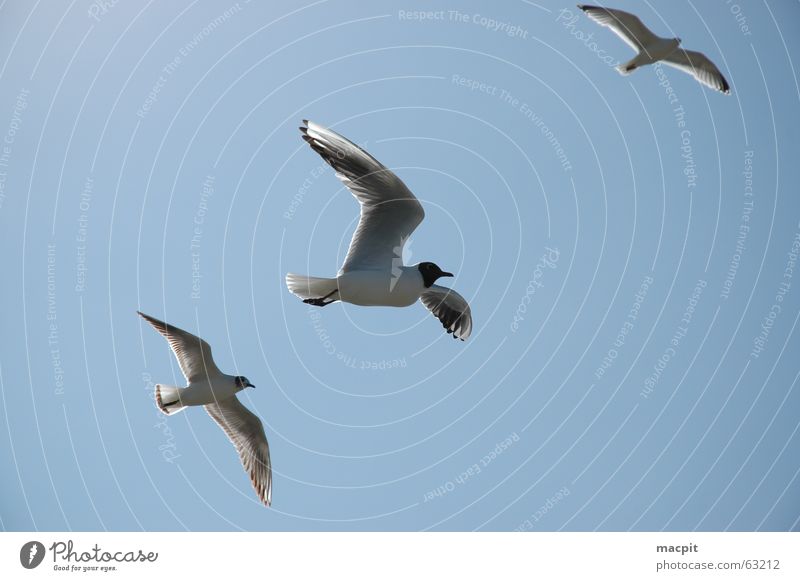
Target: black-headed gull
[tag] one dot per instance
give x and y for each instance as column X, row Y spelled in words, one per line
column 373, row 273
column 651, row 48
column 216, row 391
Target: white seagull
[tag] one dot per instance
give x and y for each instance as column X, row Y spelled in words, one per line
column 216, row 391
column 651, row 48
column 373, row 273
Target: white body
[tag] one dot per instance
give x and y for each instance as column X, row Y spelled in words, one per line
column 372, row 288
column 208, row 391
column 659, row 49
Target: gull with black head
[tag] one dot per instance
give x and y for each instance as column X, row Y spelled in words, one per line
column 373, row 273
column 216, row 391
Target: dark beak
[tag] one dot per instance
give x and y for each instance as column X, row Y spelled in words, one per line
column 446, row 274
column 250, row 385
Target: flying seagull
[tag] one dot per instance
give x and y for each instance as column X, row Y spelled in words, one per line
column 651, row 48
column 373, row 273
column 216, row 391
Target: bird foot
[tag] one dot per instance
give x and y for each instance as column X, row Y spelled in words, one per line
column 318, row 302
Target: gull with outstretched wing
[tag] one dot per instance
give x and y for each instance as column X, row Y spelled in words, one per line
column 651, row 48
column 373, row 273
column 216, row 391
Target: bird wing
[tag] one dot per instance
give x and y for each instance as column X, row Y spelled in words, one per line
column 700, row 67
column 624, row 24
column 450, row 308
column 245, row 430
column 389, row 211
column 193, row 354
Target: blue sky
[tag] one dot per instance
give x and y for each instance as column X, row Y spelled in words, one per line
column 626, row 244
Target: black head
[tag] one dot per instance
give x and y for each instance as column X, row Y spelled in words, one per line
column 242, row 382
column 430, row 273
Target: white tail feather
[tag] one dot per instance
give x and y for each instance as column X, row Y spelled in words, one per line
column 168, row 399
column 310, row 287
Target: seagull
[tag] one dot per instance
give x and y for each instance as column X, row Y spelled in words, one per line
column 373, row 273
column 651, row 48
column 216, row 391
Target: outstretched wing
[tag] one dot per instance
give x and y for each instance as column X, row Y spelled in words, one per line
column 700, row 67
column 193, row 354
column 450, row 308
column 624, row 24
column 245, row 430
column 389, row 211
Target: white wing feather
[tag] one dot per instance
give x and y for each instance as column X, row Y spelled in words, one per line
column 389, row 211
column 624, row 24
column 246, row 432
column 192, row 352
column 700, row 67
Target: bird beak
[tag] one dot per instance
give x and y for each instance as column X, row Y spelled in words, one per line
column 250, row 385
column 446, row 274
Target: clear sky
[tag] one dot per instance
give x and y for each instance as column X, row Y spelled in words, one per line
column 626, row 245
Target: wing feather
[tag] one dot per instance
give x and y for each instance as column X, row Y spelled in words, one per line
column 192, row 352
column 246, row 432
column 700, row 67
column 450, row 308
column 624, row 24
column 389, row 211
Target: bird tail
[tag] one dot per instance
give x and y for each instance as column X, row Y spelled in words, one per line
column 168, row 399
column 310, row 287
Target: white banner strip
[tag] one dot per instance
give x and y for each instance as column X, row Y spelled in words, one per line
column 353, row 556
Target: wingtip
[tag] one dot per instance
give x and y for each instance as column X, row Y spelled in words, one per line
column 146, row 317
column 456, row 334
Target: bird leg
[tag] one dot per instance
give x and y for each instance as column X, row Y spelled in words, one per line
column 321, row 302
